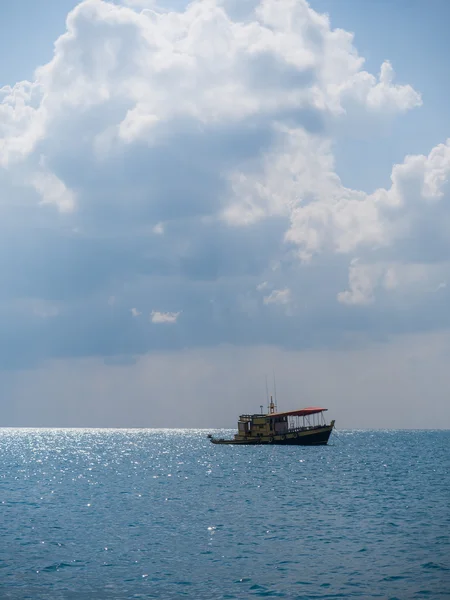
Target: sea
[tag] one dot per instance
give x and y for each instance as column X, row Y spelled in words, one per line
column 120, row 514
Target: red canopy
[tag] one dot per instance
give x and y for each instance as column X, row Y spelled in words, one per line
column 301, row 412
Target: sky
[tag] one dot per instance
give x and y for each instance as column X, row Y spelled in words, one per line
column 194, row 196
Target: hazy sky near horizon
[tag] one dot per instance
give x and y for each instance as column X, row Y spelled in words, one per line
column 195, row 195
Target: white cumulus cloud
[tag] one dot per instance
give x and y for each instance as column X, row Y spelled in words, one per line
column 278, row 297
column 192, row 150
column 53, row 191
column 164, row 317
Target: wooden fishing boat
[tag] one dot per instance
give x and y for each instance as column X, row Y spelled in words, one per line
column 300, row 427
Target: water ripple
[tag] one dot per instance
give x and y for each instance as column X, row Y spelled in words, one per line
column 125, row 514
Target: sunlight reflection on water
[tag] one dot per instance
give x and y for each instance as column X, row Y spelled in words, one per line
column 96, row 513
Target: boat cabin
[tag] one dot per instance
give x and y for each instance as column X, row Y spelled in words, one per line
column 252, row 427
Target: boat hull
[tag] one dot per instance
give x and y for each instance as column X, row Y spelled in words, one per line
column 311, row 437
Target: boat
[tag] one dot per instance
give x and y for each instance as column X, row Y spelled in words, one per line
column 300, row 427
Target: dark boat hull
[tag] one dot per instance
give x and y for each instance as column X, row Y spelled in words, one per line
column 312, row 437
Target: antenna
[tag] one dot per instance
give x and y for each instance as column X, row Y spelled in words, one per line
column 275, row 390
column 267, row 395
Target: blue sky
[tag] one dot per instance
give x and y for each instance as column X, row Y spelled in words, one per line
column 226, row 187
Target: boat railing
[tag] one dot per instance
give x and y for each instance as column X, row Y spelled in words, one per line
column 306, row 428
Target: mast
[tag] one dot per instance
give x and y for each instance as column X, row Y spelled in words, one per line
column 271, row 406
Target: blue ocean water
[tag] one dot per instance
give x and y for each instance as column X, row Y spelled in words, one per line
column 116, row 514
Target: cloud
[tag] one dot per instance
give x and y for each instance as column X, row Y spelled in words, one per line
column 135, row 312
column 278, row 297
column 324, row 215
column 53, row 191
column 182, row 157
column 362, row 280
column 369, row 281
column 386, row 218
column 164, row 317
column 132, row 63
column 21, row 121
